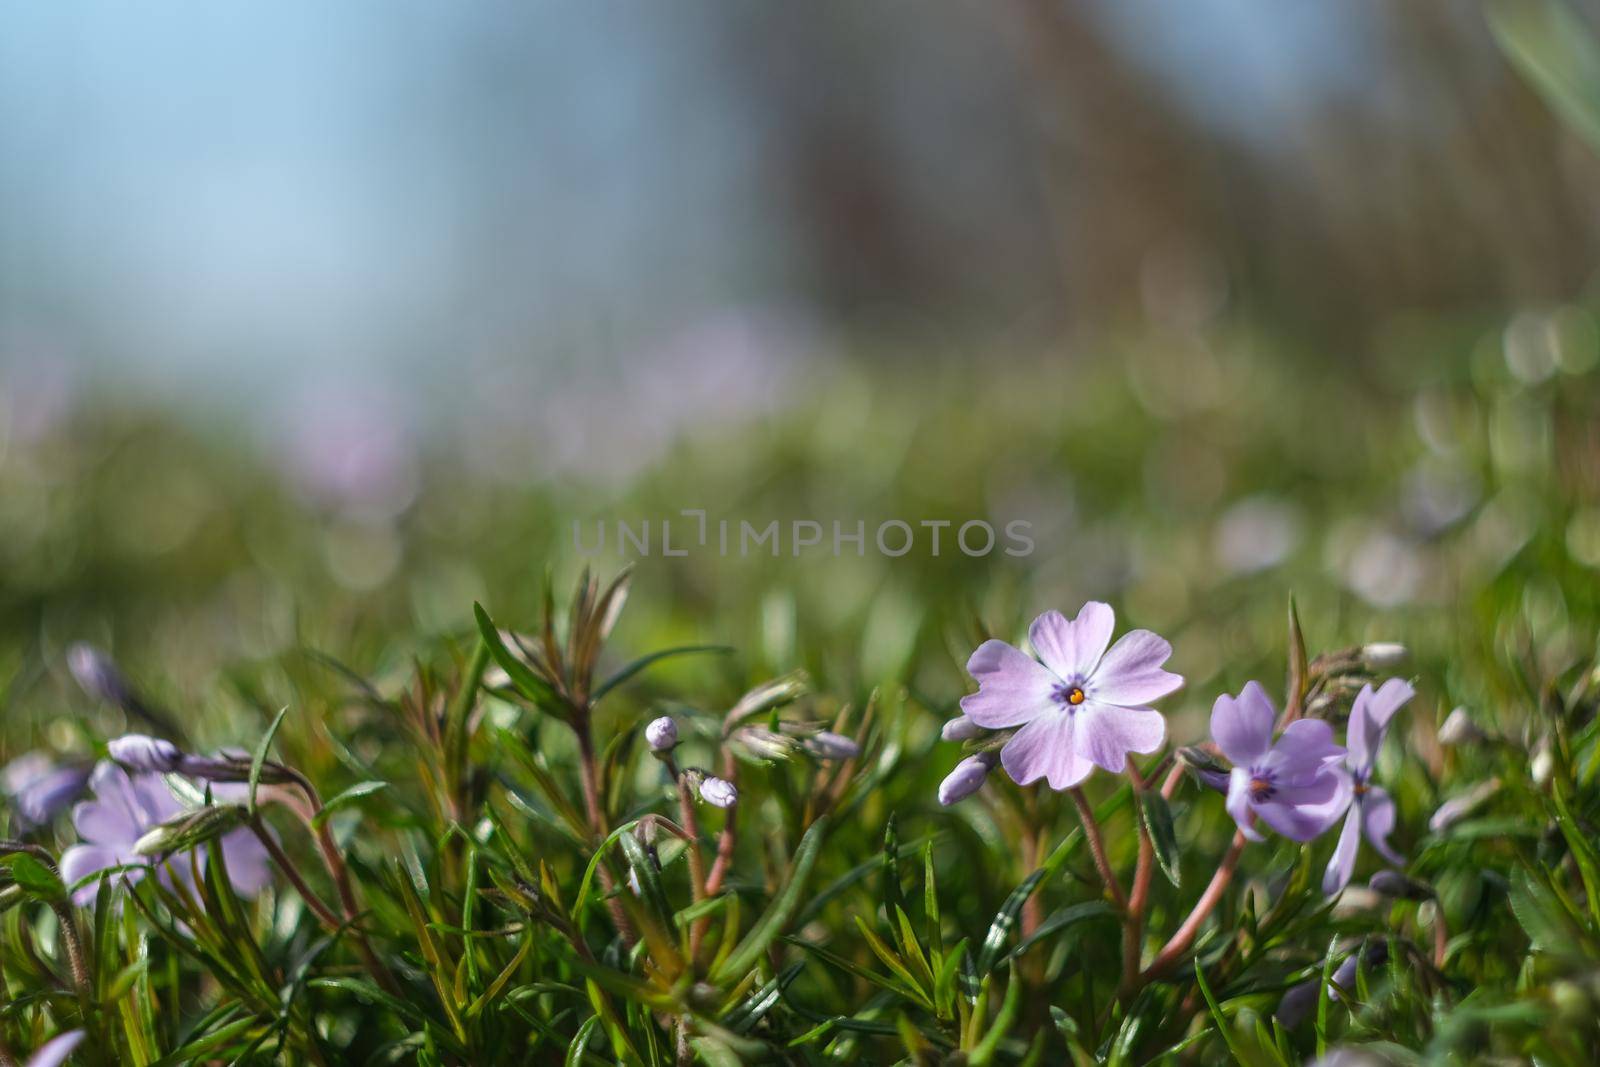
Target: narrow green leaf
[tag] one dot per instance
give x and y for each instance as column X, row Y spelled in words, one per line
column 1217, row 1017
column 523, row 680
column 37, row 880
column 653, row 658
column 780, row 911
column 580, row 1043
column 348, row 796
column 260, row 757
column 1157, row 816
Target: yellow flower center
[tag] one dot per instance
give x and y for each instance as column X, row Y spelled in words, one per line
column 1075, row 695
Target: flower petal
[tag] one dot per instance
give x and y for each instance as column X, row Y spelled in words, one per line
column 1106, row 734
column 1044, row 749
column 1305, row 747
column 1343, row 862
column 1378, row 823
column 1369, row 719
column 54, row 1053
column 106, row 822
column 1071, row 649
column 1242, row 725
column 248, row 862
column 80, row 861
column 1303, row 812
column 1130, row 674
column 1012, row 687
column 1238, row 802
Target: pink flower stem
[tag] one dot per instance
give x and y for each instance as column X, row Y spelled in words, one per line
column 1139, row 897
column 1097, row 848
column 1185, row 935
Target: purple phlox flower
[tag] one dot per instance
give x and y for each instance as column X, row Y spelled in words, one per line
column 1299, row 1002
column 1295, row 785
column 126, row 807
column 1371, row 808
column 1078, row 705
column 40, row 789
column 54, row 1053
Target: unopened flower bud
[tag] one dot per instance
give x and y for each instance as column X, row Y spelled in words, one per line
column 829, row 745
column 719, row 792
column 662, row 734
column 773, row 694
column 1459, row 807
column 1459, row 729
column 960, row 728
column 967, row 778
column 1543, row 765
column 97, row 675
column 1394, row 884
column 138, row 752
column 190, row 830
column 762, row 744
column 1384, row 656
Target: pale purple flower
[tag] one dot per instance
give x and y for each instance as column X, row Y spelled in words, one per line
column 719, row 792
column 661, row 734
column 1294, row 785
column 54, row 1053
column 125, row 807
column 967, row 778
column 1081, row 706
column 39, row 789
column 1299, row 1002
column 1371, row 808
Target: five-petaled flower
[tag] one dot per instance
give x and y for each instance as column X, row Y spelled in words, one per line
column 125, row 807
column 1294, row 785
column 1081, row 706
column 1371, row 809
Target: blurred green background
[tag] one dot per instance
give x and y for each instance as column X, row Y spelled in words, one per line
column 319, row 323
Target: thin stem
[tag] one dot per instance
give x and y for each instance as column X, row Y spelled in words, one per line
column 589, row 778
column 723, row 861
column 1097, row 847
column 1143, row 876
column 323, row 913
column 1185, row 935
column 69, row 935
column 1138, row 899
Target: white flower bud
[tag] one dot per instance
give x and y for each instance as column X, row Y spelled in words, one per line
column 662, row 734
column 829, row 745
column 966, row 779
column 137, row 752
column 1384, row 655
column 719, row 792
column 1459, row 807
column 1544, row 763
column 1459, row 729
column 960, row 728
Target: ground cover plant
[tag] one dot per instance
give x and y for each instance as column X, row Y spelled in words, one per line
column 1280, row 746
column 624, row 815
